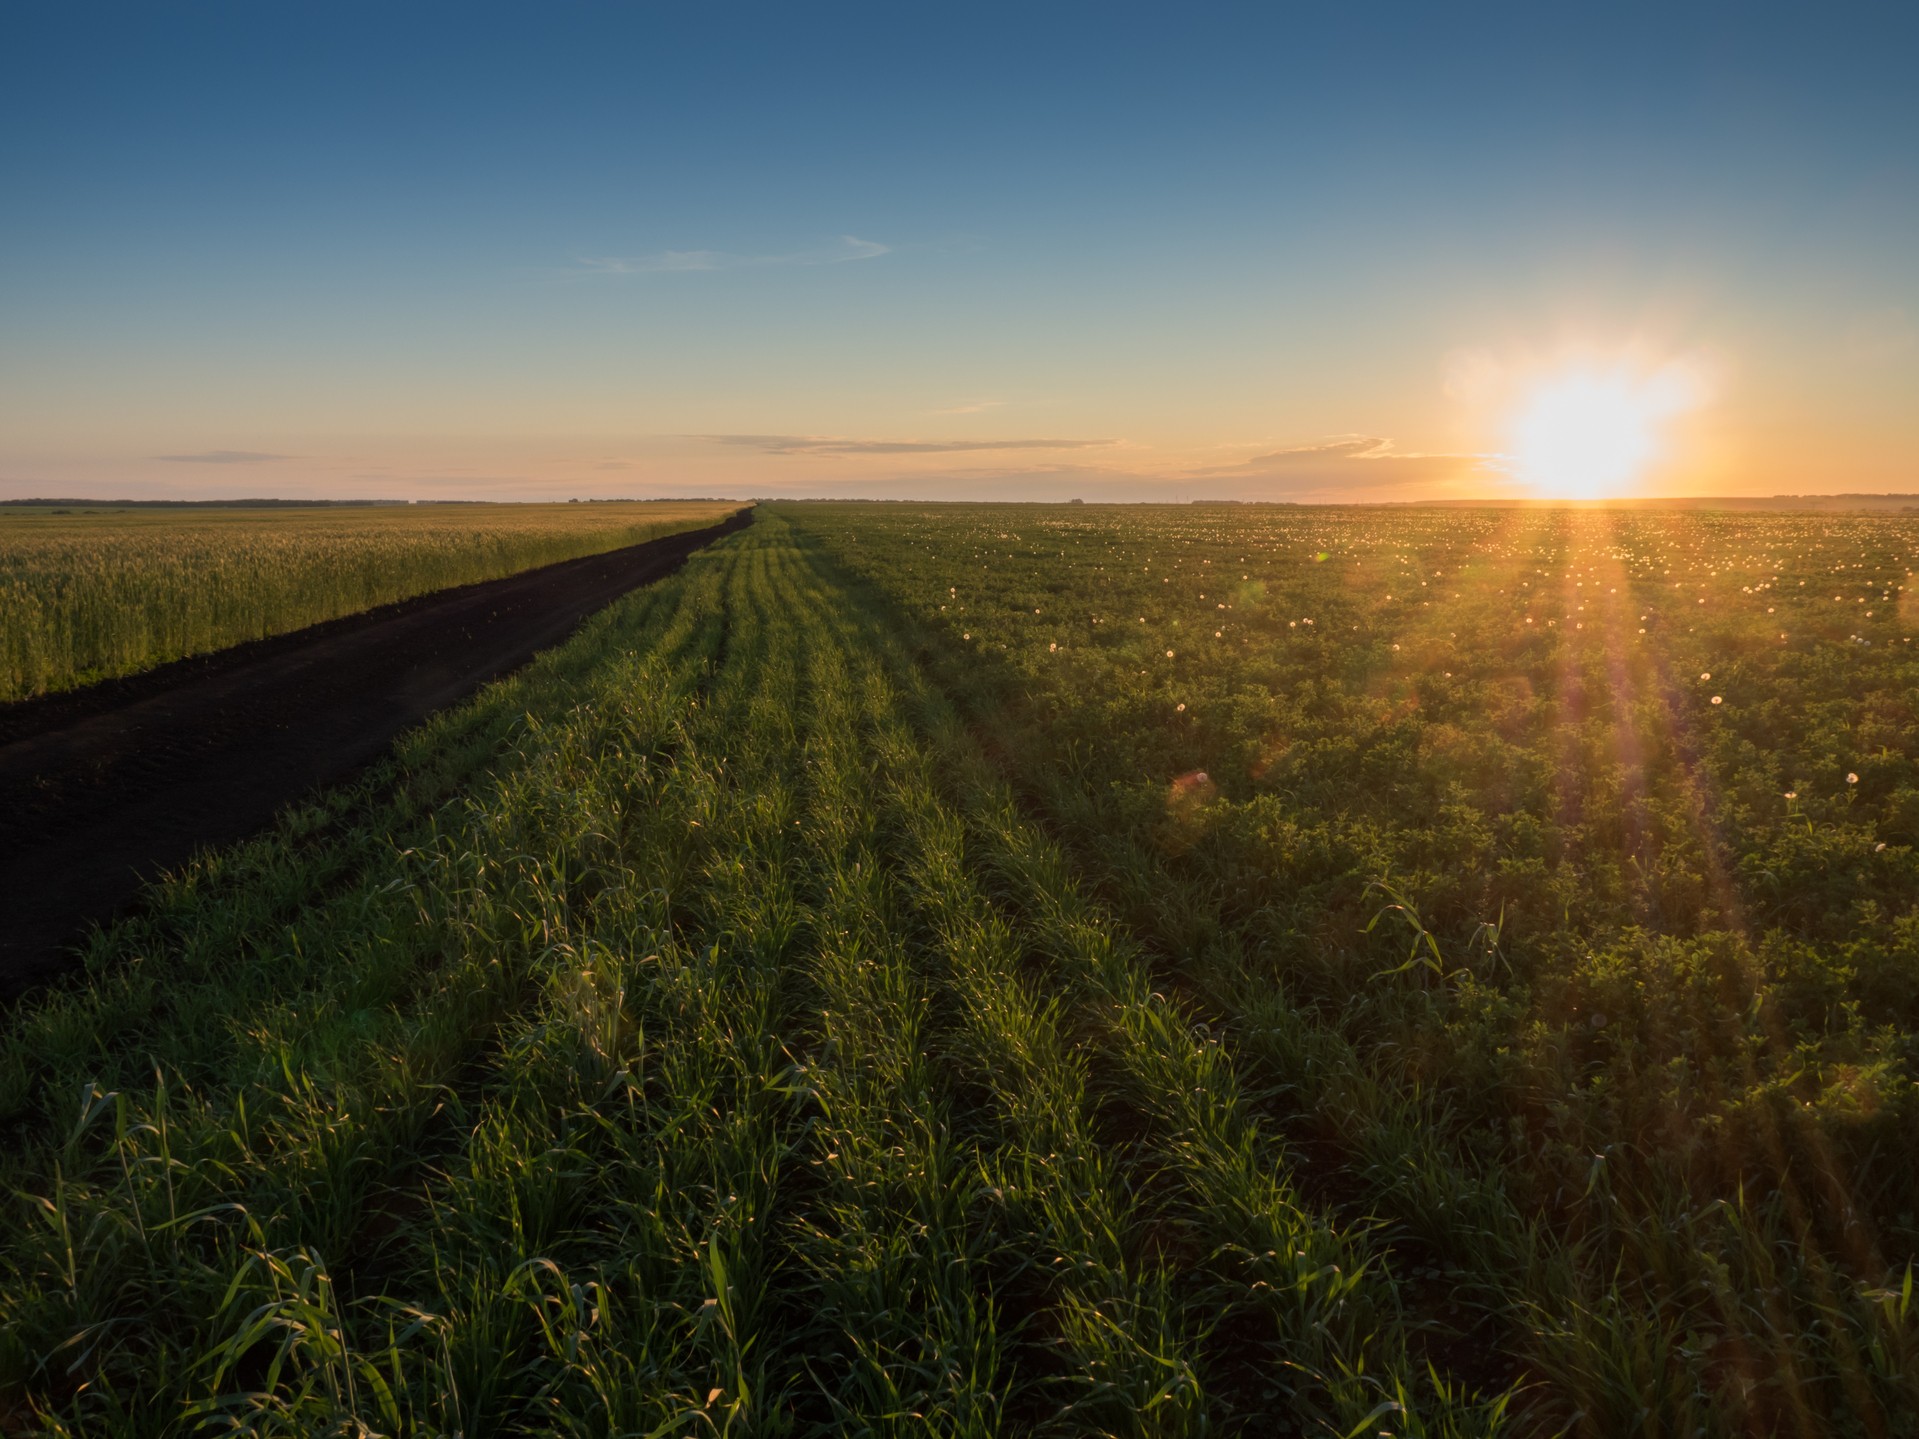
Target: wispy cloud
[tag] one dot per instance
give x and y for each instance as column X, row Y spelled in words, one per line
column 1341, row 447
column 971, row 407
column 1367, row 449
column 1345, row 465
column 224, row 457
column 666, row 262
column 830, row 445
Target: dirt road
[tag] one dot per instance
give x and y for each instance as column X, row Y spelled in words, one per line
column 104, row 787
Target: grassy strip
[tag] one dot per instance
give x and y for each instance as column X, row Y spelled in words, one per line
column 597, row 1258
column 904, row 1333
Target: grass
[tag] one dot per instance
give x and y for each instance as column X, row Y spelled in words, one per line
column 1551, row 875
column 827, row 996
column 96, row 593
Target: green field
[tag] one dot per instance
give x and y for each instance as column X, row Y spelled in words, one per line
column 88, row 593
column 1067, row 970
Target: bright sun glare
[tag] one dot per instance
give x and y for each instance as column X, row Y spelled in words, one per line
column 1588, row 434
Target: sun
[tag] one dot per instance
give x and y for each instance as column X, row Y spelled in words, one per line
column 1592, row 433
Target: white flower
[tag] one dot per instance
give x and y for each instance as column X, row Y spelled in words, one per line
column 1717, row 700
column 1852, row 778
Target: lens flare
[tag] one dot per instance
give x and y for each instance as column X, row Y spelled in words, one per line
column 1592, row 433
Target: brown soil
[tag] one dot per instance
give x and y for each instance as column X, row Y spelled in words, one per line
column 104, row 787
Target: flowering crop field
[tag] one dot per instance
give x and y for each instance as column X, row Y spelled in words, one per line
column 87, row 594
column 1072, row 970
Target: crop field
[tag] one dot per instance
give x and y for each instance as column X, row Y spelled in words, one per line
column 1067, row 970
column 88, row 594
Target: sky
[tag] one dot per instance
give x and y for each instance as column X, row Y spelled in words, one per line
column 1037, row 251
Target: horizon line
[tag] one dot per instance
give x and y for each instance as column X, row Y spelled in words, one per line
column 1837, row 500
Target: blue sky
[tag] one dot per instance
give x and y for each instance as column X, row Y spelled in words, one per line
column 630, row 249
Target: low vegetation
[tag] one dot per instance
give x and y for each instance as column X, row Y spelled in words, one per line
column 1012, row 970
column 91, row 593
column 1556, row 874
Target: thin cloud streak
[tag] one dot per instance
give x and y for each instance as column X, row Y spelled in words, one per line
column 829, row 445
column 1348, row 466
column 669, row 262
column 1367, row 448
column 224, row 457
